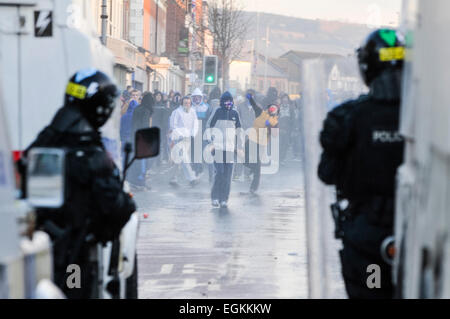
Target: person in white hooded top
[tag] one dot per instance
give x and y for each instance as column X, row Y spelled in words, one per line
column 184, row 126
column 203, row 111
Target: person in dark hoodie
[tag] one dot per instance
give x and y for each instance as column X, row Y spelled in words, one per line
column 223, row 119
column 160, row 119
column 271, row 97
column 142, row 116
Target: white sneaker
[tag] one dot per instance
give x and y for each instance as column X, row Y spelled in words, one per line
column 215, row 203
column 223, row 204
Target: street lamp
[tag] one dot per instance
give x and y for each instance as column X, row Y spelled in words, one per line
column 104, row 18
column 265, row 58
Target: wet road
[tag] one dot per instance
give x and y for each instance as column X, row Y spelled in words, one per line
column 254, row 249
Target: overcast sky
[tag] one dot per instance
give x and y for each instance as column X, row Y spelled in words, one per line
column 370, row 12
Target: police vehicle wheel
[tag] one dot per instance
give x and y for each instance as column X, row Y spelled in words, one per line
column 132, row 282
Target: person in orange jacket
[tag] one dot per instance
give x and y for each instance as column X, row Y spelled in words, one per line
column 265, row 121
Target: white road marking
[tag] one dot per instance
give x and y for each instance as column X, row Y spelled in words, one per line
column 177, row 285
column 188, row 269
column 166, row 269
column 189, row 283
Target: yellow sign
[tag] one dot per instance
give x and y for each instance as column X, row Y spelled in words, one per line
column 76, row 90
column 392, row 54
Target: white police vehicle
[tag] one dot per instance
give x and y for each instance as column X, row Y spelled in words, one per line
column 25, row 254
column 40, row 48
column 422, row 233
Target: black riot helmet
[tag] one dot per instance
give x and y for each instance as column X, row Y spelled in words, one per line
column 94, row 93
column 383, row 50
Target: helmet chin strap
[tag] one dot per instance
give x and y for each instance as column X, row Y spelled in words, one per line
column 387, row 86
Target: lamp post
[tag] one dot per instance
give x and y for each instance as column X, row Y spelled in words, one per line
column 265, row 58
column 104, row 18
column 156, row 42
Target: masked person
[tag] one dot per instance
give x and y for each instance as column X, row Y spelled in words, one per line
column 264, row 123
column 362, row 150
column 95, row 202
column 225, row 120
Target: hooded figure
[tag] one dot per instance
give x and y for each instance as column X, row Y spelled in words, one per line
column 271, row 97
column 225, row 119
column 201, row 108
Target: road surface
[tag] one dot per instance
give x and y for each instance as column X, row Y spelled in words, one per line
column 254, row 249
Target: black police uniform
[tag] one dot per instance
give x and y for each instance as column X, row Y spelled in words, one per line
column 95, row 202
column 362, row 151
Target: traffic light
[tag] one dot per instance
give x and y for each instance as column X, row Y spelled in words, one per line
column 210, row 70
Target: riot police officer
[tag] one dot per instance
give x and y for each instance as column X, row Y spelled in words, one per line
column 362, row 150
column 96, row 208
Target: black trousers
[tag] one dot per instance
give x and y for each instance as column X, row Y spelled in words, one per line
column 356, row 272
column 285, row 142
column 222, row 181
column 361, row 260
column 255, row 168
column 88, row 273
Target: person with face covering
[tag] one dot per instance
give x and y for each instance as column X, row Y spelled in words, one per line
column 265, row 121
column 224, row 120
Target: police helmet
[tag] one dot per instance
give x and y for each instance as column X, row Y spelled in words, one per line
column 94, row 93
column 384, row 49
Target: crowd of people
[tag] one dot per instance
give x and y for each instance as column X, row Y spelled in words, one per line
column 183, row 120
